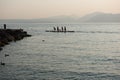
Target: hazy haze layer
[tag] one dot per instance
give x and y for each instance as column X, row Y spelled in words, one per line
column 31, row 9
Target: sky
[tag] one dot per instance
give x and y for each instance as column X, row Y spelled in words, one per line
column 32, row 9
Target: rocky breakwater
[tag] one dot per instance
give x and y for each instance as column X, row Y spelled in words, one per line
column 8, row 35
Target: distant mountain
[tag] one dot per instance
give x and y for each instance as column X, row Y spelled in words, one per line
column 100, row 17
column 54, row 19
column 93, row 17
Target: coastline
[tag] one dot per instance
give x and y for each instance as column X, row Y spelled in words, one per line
column 9, row 35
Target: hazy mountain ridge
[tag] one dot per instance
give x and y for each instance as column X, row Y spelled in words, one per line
column 93, row 17
column 101, row 17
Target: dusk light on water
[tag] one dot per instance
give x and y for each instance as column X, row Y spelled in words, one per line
column 59, row 40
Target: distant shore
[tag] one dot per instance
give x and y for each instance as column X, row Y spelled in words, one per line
column 9, row 35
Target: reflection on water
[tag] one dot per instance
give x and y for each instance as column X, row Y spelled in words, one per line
column 91, row 53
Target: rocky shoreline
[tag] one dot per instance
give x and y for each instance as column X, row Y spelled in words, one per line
column 9, row 35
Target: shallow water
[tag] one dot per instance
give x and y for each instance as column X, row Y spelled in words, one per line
column 91, row 53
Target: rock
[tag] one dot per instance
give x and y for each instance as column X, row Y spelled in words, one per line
column 0, row 48
column 8, row 35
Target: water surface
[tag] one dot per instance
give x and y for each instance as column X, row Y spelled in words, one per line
column 91, row 53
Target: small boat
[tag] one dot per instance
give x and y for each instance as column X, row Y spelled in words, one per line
column 6, row 55
column 2, row 63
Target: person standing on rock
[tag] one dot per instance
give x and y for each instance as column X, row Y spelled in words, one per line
column 4, row 26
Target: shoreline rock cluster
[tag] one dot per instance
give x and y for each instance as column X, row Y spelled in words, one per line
column 9, row 35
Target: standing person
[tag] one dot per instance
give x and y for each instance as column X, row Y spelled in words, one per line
column 57, row 28
column 62, row 29
column 54, row 28
column 65, row 28
column 4, row 26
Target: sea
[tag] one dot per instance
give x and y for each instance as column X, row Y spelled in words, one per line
column 92, row 52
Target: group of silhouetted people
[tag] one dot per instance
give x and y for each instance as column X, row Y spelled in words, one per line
column 63, row 29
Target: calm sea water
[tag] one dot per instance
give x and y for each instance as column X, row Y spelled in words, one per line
column 90, row 53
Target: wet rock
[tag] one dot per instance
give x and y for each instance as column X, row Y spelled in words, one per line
column 8, row 35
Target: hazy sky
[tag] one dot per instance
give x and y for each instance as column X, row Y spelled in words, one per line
column 30, row 9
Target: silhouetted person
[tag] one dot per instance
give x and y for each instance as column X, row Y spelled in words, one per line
column 65, row 28
column 62, row 29
column 58, row 29
column 54, row 28
column 4, row 26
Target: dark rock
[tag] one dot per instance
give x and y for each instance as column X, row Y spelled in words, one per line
column 0, row 48
column 8, row 35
